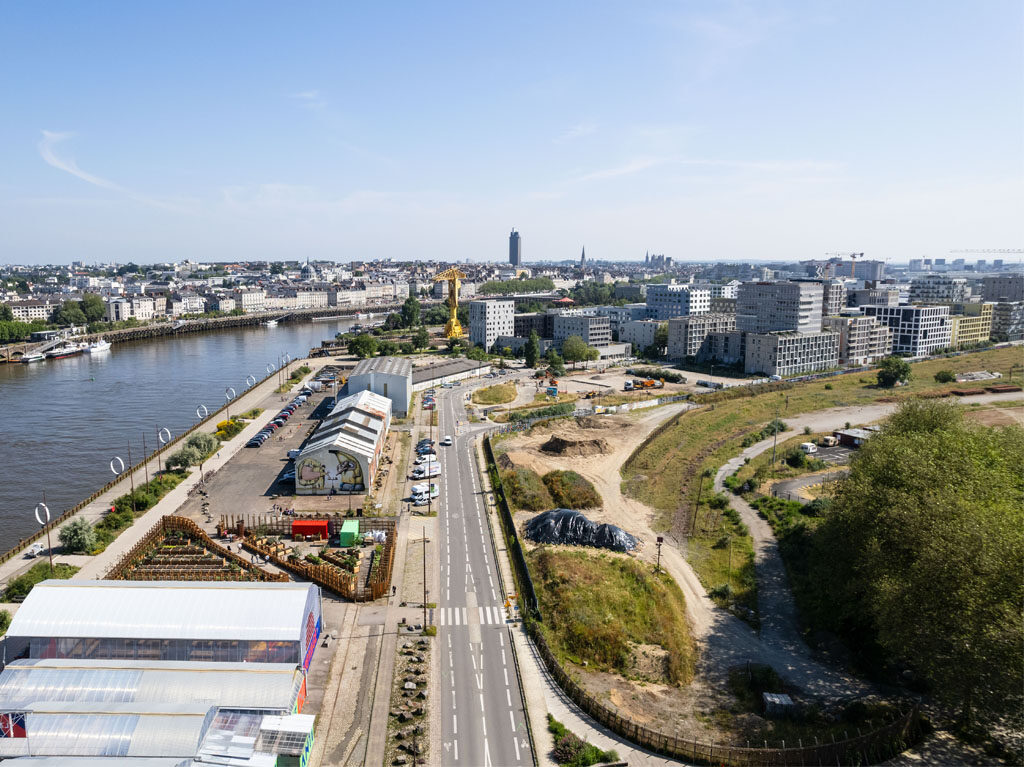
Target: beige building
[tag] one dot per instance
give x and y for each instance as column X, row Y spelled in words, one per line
column 686, row 335
column 33, row 309
column 862, row 340
column 971, row 324
column 594, row 330
column 640, row 333
column 250, row 300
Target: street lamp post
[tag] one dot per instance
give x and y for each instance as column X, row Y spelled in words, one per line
column 163, row 436
column 229, row 394
column 45, row 524
column 117, row 466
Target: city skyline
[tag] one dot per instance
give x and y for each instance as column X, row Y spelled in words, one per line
column 710, row 132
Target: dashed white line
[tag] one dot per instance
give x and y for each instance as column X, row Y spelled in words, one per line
column 455, row 725
column 508, row 696
column 505, row 672
column 512, row 718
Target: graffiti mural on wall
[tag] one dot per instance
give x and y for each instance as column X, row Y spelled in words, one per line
column 342, row 473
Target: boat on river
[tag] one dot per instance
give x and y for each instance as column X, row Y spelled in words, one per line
column 33, row 357
column 271, row 323
column 101, row 345
column 67, row 350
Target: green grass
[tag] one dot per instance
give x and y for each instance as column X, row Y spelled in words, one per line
column 571, row 491
column 499, row 394
column 595, row 605
column 572, row 751
column 145, row 497
column 723, row 559
column 251, row 414
column 525, row 490
column 19, row 587
column 761, row 465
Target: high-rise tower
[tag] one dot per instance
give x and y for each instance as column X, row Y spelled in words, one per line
column 515, row 252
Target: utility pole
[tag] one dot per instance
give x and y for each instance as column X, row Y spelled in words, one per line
column 657, row 567
column 145, row 457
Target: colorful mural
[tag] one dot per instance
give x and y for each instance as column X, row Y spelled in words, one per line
column 341, row 472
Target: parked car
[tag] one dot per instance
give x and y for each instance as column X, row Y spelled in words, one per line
column 446, row 442
column 426, row 458
column 35, row 550
column 808, row 447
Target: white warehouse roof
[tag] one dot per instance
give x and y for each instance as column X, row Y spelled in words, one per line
column 356, row 425
column 164, row 610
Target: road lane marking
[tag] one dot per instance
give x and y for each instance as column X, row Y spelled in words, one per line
column 515, row 742
column 503, row 657
column 508, row 696
column 455, row 725
column 457, row 751
column 505, row 671
column 512, row 718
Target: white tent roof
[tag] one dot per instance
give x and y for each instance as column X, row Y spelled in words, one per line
column 163, row 610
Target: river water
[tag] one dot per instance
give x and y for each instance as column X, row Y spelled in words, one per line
column 62, row 421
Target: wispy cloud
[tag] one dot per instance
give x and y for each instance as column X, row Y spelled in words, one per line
column 641, row 164
column 46, row 150
column 626, row 169
column 577, row 131
column 311, row 99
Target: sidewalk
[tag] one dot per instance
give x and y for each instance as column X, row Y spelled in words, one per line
column 97, row 567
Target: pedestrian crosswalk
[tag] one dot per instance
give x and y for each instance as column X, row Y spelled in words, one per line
column 492, row 615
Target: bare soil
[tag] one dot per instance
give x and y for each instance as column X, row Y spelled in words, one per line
column 579, row 448
column 1007, row 416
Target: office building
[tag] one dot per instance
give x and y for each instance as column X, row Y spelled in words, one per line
column 515, row 249
column 790, row 353
column 687, row 335
column 917, row 331
column 490, row 319
column 594, row 330
column 639, row 333
column 874, row 297
column 938, row 289
column 765, row 307
column 862, row 339
column 1004, row 287
column 665, row 301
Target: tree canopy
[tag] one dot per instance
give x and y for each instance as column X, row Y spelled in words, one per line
column 78, row 536
column 363, row 345
column 893, row 370
column 531, row 351
column 410, row 312
column 922, row 550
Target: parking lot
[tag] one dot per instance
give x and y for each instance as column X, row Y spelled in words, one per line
column 834, row 455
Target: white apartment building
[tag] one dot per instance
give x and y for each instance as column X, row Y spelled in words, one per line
column 33, row 309
column 938, row 288
column 490, row 319
column 250, row 300
column 917, row 331
column 862, row 339
column 619, row 315
column 686, row 335
column 138, row 307
column 833, row 297
column 666, row 301
column 791, row 353
column 640, row 333
column 766, row 307
column 719, row 289
column 595, row 330
column 143, row 307
column 224, row 304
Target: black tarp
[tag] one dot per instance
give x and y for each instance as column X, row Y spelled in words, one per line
column 571, row 527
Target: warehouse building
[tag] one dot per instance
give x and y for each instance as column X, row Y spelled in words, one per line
column 389, row 377
column 209, row 622
column 344, row 452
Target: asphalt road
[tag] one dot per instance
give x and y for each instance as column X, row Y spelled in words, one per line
column 482, row 718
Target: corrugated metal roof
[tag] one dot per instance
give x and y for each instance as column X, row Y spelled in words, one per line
column 391, row 365
column 163, row 610
column 450, row 368
column 25, row 683
column 355, row 425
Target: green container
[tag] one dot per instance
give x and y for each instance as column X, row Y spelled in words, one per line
column 349, row 532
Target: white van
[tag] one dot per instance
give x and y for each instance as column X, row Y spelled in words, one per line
column 808, row 447
column 35, row 550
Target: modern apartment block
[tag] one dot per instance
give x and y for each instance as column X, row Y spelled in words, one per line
column 726, row 347
column 665, row 301
column 765, row 307
column 723, row 306
column 490, row 319
column 594, row 330
column 527, row 322
column 862, row 339
column 686, row 335
column 1004, row 287
column 791, row 353
column 833, row 297
column 874, row 297
column 719, row 289
column 640, row 333
column 938, row 289
column 917, row 331
column 970, row 324
column 1008, row 321
column 619, row 315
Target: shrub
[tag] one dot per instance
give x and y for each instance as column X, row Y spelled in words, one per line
column 796, row 458
column 78, row 536
column 203, row 442
column 566, row 408
column 945, row 376
column 828, row 387
column 818, row 507
column 807, row 430
column 20, row 587
column 572, row 751
column 571, row 491
column 5, row 622
column 187, row 456
column 525, row 490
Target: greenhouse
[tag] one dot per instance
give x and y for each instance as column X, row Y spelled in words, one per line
column 208, row 622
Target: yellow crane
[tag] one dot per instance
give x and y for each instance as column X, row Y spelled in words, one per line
column 452, row 276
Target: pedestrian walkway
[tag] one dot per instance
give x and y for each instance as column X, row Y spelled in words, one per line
column 492, row 615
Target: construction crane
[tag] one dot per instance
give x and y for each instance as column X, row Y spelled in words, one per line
column 453, row 329
column 853, row 260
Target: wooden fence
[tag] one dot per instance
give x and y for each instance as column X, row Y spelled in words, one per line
column 123, row 569
column 122, row 477
column 334, row 578
column 864, row 748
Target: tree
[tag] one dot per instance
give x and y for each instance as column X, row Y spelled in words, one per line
column 411, row 312
column 421, row 338
column 78, row 536
column 187, row 456
column 276, row 268
column 69, row 313
column 532, row 350
column 386, row 347
column 922, row 551
column 406, row 347
column 893, row 370
column 205, row 443
column 393, row 321
column 363, row 346
column 555, row 362
column 93, row 307
column 945, row 376
column 574, row 350
column 6, row 313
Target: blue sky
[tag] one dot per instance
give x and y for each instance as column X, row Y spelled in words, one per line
column 722, row 131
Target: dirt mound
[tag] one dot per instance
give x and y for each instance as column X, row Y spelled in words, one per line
column 649, row 661
column 593, row 422
column 574, row 447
